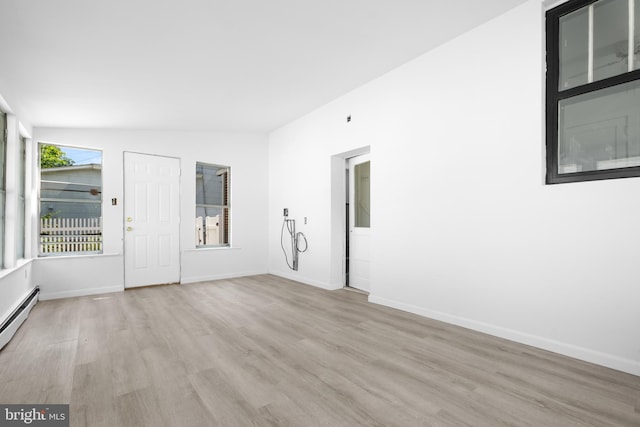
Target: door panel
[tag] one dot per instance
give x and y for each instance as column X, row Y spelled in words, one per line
column 359, row 221
column 152, row 223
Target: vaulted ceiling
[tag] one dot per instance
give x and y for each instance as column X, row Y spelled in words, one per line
column 241, row 65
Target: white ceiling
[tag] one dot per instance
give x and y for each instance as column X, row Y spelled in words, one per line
column 245, row 65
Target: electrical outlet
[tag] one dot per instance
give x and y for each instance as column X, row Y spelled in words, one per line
column 286, row 212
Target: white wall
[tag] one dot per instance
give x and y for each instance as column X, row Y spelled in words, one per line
column 245, row 153
column 15, row 286
column 463, row 227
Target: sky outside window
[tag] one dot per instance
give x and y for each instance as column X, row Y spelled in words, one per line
column 83, row 156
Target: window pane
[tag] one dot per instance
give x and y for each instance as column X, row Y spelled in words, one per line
column 22, row 167
column 211, row 181
column 574, row 45
column 70, row 200
column 212, row 205
column 212, row 226
column 610, row 38
column 600, row 130
column 21, row 200
column 21, row 230
column 362, row 195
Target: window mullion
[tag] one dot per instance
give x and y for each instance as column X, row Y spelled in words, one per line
column 597, row 85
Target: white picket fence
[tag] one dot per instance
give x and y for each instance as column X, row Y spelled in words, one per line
column 66, row 235
column 208, row 230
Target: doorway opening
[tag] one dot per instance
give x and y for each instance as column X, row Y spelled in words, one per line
column 350, row 220
column 358, row 222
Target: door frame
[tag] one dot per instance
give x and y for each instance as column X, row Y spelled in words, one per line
column 124, row 219
column 338, row 257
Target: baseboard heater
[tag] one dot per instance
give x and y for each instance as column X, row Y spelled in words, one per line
column 10, row 325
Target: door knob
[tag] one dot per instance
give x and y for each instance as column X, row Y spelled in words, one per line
column 129, row 228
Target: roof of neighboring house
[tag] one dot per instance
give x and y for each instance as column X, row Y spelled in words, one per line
column 91, row 166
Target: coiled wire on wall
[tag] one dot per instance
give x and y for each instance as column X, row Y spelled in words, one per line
column 296, row 238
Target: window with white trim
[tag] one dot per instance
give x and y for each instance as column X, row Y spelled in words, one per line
column 593, row 90
column 213, row 205
column 70, row 200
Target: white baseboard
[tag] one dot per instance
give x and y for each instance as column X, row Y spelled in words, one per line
column 307, row 281
column 44, row 295
column 581, row 353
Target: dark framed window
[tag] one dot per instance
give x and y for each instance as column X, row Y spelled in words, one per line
column 593, row 90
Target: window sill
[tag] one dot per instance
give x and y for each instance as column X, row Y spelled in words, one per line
column 77, row 255
column 19, row 264
column 212, row 248
column 22, row 262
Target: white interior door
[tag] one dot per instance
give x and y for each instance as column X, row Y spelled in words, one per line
column 151, row 222
column 359, row 221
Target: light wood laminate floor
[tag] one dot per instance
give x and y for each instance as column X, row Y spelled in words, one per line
column 266, row 351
